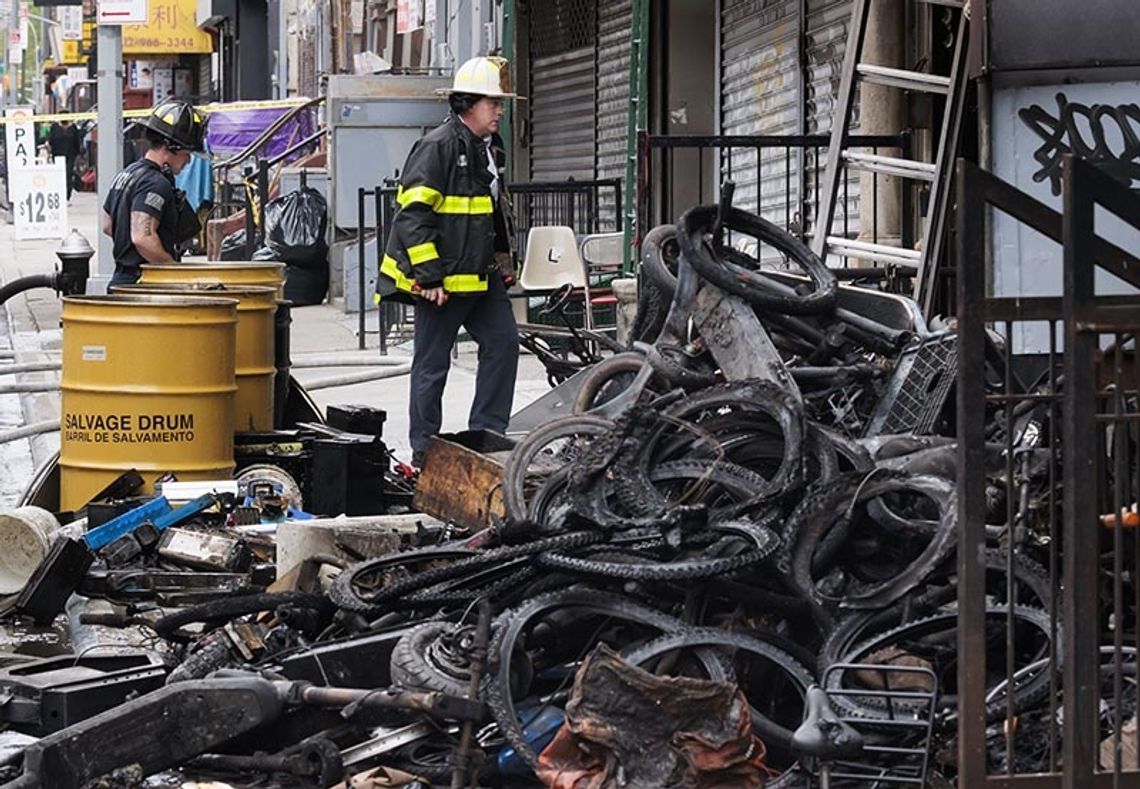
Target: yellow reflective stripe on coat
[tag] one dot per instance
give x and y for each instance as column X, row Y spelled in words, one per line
column 451, row 204
column 456, row 283
column 466, row 205
column 389, row 267
column 464, row 283
column 419, row 194
column 422, row 253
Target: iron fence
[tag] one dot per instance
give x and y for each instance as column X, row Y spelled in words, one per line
column 585, row 206
column 1048, row 477
column 778, row 177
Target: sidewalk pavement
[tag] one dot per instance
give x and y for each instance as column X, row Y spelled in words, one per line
column 32, row 330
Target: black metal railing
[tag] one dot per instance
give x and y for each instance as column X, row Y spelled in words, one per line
column 584, row 206
column 1048, row 472
column 777, row 176
column 389, row 313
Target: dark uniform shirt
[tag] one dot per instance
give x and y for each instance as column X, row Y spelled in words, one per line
column 141, row 186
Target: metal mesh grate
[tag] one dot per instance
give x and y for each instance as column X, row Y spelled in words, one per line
column 562, row 26
column 918, row 389
column 896, row 750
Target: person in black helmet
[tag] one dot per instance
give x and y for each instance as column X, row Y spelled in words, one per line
column 141, row 212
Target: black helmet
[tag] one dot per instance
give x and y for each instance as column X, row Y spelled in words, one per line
column 178, row 124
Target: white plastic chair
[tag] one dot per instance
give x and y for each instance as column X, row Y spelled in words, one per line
column 553, row 261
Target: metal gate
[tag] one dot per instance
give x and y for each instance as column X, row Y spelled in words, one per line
column 1048, row 470
column 563, row 39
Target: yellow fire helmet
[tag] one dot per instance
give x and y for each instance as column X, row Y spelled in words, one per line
column 483, row 76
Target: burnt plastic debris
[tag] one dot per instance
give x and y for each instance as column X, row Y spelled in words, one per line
column 625, row 726
column 57, row 576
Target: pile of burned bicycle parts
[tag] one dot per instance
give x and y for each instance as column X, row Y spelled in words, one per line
column 862, row 360
column 728, row 522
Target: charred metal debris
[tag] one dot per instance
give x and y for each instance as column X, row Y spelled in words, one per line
column 733, row 565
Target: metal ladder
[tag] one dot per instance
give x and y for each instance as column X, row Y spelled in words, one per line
column 937, row 173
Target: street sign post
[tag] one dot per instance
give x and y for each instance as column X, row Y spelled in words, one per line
column 39, row 200
column 122, row 12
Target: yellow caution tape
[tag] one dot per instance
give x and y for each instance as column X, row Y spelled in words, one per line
column 232, row 106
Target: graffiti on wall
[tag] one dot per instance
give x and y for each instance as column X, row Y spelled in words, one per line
column 1105, row 134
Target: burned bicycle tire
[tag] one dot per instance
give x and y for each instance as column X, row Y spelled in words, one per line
column 1033, row 689
column 753, row 397
column 731, row 478
column 393, row 562
column 517, row 465
column 709, row 477
column 461, row 591
column 750, row 285
column 169, row 626
column 346, row 594
column 419, row 662
column 680, row 570
column 610, row 377
column 829, row 506
column 656, row 282
column 856, row 628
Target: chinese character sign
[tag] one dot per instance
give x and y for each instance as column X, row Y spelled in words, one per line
column 172, row 28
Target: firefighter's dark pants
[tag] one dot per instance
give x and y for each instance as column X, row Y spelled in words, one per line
column 489, row 320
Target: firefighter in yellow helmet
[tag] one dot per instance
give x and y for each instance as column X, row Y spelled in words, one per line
column 450, row 253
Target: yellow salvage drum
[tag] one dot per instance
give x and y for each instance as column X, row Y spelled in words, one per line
column 236, row 272
column 255, row 361
column 147, row 382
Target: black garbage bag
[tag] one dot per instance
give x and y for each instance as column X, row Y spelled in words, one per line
column 233, row 246
column 264, row 253
column 306, row 286
column 295, row 225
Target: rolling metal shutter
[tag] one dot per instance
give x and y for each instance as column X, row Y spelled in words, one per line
column 760, row 94
column 206, row 77
column 563, row 38
column 827, row 24
column 826, row 29
column 614, row 26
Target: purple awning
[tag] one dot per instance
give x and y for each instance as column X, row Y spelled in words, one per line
column 230, row 131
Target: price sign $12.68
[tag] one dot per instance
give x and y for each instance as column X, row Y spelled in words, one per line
column 38, row 207
column 38, row 196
